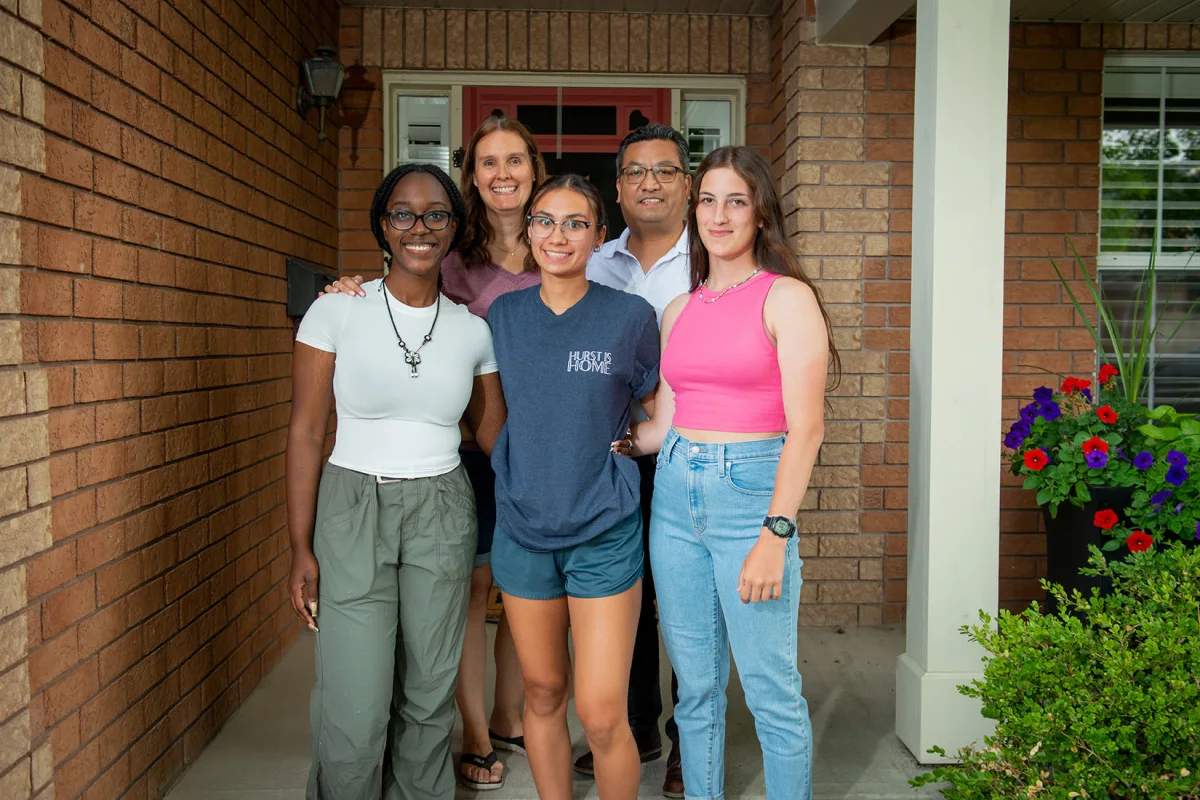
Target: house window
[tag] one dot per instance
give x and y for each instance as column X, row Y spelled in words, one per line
column 707, row 125
column 1150, row 205
column 423, row 129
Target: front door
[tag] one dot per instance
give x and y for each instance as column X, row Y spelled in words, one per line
column 577, row 130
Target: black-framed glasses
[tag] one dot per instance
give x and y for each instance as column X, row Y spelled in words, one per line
column 543, row 227
column 403, row 220
column 662, row 174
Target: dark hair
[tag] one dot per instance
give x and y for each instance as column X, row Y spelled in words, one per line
column 654, row 132
column 384, row 193
column 576, row 183
column 477, row 230
column 772, row 251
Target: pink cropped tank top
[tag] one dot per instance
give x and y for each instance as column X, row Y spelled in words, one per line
column 721, row 363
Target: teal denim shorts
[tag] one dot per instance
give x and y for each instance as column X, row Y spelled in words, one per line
column 603, row 566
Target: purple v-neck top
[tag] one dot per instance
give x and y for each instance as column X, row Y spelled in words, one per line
column 476, row 287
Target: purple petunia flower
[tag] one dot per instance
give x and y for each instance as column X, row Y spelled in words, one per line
column 1177, row 459
column 1143, row 461
column 1016, row 434
column 1160, row 497
column 1029, row 413
column 1176, row 476
column 1043, row 394
column 1086, row 393
column 1096, row 459
column 1049, row 411
column 1198, row 529
column 1178, row 508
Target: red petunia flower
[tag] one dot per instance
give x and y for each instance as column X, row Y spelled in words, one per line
column 1105, row 519
column 1036, row 459
column 1070, row 385
column 1106, row 414
column 1107, row 373
column 1095, row 443
column 1139, row 542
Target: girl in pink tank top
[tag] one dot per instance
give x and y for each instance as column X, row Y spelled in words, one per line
column 737, row 423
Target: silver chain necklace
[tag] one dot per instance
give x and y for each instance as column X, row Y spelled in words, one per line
column 411, row 357
column 704, row 286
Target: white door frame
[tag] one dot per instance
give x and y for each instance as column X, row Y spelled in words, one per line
column 450, row 83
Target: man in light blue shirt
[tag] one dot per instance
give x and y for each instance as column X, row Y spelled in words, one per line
column 650, row 259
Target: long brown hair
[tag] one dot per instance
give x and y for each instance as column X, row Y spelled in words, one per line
column 772, row 251
column 477, row 230
column 575, row 183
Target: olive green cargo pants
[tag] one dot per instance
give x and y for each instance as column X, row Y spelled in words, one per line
column 395, row 566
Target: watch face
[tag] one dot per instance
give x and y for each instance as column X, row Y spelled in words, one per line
column 781, row 526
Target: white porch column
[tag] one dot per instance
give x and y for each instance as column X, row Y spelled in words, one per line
column 960, row 140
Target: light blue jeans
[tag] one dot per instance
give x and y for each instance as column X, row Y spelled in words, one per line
column 709, row 504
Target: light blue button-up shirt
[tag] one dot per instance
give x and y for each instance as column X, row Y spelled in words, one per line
column 616, row 267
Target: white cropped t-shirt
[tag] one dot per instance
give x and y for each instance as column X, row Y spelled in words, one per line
column 390, row 423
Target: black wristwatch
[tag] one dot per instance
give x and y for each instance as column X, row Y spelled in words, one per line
column 782, row 527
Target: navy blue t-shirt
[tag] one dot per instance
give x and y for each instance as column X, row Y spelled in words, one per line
column 568, row 381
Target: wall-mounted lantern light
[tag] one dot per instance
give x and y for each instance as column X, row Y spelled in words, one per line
column 321, row 80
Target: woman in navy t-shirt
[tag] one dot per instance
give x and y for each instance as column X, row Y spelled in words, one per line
column 568, row 546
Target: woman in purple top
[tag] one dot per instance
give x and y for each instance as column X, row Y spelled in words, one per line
column 501, row 170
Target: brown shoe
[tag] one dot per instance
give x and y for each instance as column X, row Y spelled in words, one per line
column 673, row 785
column 649, row 745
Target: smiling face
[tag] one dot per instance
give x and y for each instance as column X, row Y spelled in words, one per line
column 725, row 216
column 504, row 171
column 557, row 254
column 419, row 250
column 651, row 202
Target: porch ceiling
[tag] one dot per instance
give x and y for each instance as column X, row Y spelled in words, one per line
column 757, row 8
column 1100, row 10
column 1107, row 10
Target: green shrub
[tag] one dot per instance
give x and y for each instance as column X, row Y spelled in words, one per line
column 1101, row 700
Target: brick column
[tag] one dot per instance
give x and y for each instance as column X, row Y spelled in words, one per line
column 24, row 438
column 836, row 195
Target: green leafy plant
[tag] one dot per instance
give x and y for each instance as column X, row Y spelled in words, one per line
column 1135, row 355
column 1166, row 504
column 1100, row 700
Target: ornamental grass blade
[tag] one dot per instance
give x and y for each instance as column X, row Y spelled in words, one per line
column 1142, row 334
column 1103, row 315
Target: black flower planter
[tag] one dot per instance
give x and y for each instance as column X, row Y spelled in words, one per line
column 1069, row 535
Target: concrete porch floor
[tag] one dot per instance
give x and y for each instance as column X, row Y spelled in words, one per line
column 849, row 680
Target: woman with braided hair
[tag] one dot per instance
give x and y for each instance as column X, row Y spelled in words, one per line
column 501, row 170
column 383, row 538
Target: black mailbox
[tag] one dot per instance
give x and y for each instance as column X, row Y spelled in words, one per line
column 304, row 280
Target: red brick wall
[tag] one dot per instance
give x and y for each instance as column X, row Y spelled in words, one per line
column 376, row 39
column 177, row 178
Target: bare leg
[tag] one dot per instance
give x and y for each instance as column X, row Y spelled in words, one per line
column 471, row 668
column 539, row 631
column 604, row 630
column 510, row 690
